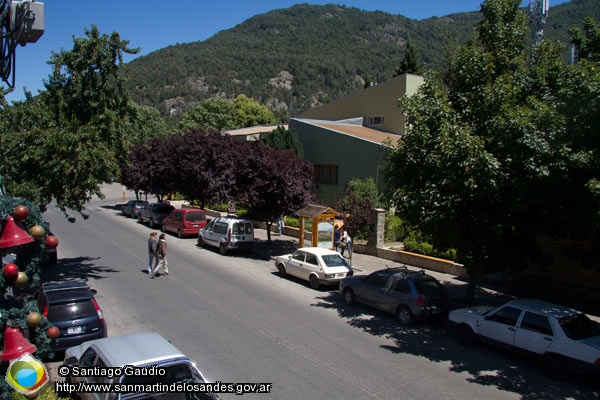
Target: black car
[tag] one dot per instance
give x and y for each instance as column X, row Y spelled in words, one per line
column 405, row 293
column 154, row 213
column 132, row 208
column 72, row 308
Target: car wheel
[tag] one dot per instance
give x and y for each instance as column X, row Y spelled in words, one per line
column 465, row 335
column 314, row 282
column 281, row 269
column 556, row 367
column 349, row 296
column 179, row 234
column 200, row 242
column 222, row 249
column 405, row 316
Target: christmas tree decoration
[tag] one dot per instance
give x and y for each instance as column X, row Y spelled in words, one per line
column 21, row 280
column 53, row 332
column 34, row 319
column 13, row 234
column 15, row 344
column 21, row 212
column 10, row 271
column 51, row 241
column 37, row 231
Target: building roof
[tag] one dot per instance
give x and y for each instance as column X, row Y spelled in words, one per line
column 253, row 130
column 354, row 130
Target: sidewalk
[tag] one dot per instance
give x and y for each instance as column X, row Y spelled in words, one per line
column 489, row 293
column 363, row 264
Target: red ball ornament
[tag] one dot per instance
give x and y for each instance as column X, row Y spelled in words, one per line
column 20, row 212
column 51, row 241
column 53, row 332
column 10, row 271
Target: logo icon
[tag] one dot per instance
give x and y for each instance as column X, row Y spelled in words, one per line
column 26, row 374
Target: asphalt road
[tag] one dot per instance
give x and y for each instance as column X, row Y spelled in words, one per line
column 241, row 322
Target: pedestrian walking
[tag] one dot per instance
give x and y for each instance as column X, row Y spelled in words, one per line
column 346, row 242
column 231, row 208
column 152, row 245
column 280, row 225
column 161, row 252
column 336, row 238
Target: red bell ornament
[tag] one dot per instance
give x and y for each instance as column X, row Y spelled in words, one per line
column 13, row 234
column 15, row 344
column 21, row 212
column 10, row 271
column 51, row 241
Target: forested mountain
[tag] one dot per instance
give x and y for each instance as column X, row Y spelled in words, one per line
column 296, row 58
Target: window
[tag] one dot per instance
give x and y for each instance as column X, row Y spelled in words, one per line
column 299, row 255
column 375, row 120
column 377, row 280
column 311, row 259
column 325, row 174
column 401, row 286
column 537, row 323
column 506, row 315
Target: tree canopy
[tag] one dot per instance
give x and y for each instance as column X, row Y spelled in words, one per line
column 499, row 148
column 71, row 138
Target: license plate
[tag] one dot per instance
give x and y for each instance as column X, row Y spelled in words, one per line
column 195, row 226
column 74, row 330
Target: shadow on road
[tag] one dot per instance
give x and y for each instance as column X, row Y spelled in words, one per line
column 77, row 268
column 481, row 364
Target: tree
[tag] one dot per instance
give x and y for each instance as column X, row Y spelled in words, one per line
column 65, row 143
column 221, row 114
column 411, row 63
column 282, row 139
column 273, row 183
column 360, row 198
column 488, row 162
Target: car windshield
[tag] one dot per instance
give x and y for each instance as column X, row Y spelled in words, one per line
column 429, row 286
column 177, row 373
column 334, row 260
column 579, row 327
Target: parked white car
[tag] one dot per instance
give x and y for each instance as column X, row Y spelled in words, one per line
column 318, row 266
column 566, row 340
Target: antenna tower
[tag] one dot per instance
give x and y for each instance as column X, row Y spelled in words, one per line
column 538, row 13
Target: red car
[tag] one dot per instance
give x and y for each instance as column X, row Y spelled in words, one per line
column 184, row 222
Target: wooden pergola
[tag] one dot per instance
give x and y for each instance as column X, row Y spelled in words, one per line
column 317, row 214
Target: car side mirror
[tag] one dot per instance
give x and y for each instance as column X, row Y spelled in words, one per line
column 71, row 361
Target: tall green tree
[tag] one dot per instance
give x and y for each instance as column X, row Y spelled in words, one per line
column 411, row 62
column 282, row 139
column 488, row 163
column 70, row 139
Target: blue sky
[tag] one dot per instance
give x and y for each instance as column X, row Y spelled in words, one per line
column 153, row 24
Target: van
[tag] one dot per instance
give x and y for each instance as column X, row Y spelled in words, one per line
column 227, row 233
column 184, row 222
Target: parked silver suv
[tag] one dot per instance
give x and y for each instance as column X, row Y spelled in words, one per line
column 227, row 233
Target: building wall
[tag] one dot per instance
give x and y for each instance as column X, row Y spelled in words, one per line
column 354, row 157
column 379, row 100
